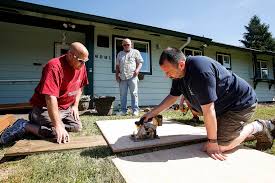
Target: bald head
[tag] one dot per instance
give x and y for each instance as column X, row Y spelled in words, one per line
column 77, row 55
column 79, row 50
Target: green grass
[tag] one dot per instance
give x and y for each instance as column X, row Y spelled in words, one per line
column 87, row 165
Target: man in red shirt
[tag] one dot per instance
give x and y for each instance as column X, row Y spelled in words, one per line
column 55, row 100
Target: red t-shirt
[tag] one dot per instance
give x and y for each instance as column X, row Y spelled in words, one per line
column 61, row 80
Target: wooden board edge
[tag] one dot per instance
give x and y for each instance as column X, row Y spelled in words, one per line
column 193, row 141
column 105, row 138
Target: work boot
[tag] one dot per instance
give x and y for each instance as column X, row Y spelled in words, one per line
column 14, row 132
column 273, row 131
column 264, row 138
column 195, row 119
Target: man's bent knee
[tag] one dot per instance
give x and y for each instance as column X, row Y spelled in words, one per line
column 75, row 127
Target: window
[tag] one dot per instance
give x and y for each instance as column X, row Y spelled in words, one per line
column 224, row 59
column 103, row 41
column 144, row 48
column 261, row 69
column 60, row 49
column 191, row 52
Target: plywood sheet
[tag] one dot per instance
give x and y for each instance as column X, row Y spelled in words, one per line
column 117, row 132
column 190, row 164
column 26, row 147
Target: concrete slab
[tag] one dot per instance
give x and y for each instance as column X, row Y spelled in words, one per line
column 117, row 132
column 190, row 164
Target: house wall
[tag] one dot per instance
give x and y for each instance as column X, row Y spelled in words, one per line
column 262, row 88
column 24, row 45
column 242, row 65
column 21, row 46
column 152, row 90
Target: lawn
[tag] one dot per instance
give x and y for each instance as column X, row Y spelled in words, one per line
column 87, row 165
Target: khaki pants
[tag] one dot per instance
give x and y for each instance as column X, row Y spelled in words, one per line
column 231, row 123
column 40, row 116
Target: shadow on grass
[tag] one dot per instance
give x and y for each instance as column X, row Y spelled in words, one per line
column 97, row 152
column 188, row 122
column 12, row 158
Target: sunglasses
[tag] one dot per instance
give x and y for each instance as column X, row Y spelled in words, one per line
column 80, row 60
column 126, row 45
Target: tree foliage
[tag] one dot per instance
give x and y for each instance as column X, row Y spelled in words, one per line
column 258, row 36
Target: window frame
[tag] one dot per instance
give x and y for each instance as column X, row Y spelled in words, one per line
column 116, row 37
column 262, row 69
column 223, row 55
column 193, row 51
column 58, row 47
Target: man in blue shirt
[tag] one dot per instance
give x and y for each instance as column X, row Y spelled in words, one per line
column 226, row 101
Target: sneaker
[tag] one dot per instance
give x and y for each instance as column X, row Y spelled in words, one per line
column 136, row 113
column 14, row 132
column 264, row 138
column 121, row 113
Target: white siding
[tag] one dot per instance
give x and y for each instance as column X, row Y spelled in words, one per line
column 21, row 46
column 242, row 65
column 152, row 89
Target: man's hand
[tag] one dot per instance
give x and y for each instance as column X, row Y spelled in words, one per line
column 148, row 115
column 135, row 73
column 75, row 114
column 61, row 134
column 118, row 79
column 213, row 150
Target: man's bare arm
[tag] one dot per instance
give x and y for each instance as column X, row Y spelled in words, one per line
column 52, row 106
column 211, row 147
column 167, row 102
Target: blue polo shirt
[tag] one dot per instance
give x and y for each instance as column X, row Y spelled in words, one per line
column 206, row 81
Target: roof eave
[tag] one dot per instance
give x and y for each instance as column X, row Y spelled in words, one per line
column 99, row 19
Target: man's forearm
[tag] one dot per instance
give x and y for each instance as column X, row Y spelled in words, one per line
column 77, row 98
column 53, row 110
column 117, row 70
column 210, row 120
column 167, row 102
column 139, row 65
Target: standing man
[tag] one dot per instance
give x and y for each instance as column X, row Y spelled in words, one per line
column 128, row 65
column 226, row 101
column 55, row 100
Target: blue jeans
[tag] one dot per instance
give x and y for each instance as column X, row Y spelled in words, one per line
column 132, row 83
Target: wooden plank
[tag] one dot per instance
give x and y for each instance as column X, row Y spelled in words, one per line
column 27, row 147
column 117, row 133
column 15, row 106
column 6, row 121
column 190, row 164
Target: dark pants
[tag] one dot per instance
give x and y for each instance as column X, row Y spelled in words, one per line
column 40, row 116
column 231, row 123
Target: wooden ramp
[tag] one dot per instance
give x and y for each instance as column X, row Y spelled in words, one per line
column 27, row 147
column 6, row 121
column 117, row 134
column 190, row 164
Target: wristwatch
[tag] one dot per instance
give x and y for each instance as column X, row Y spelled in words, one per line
column 212, row 140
